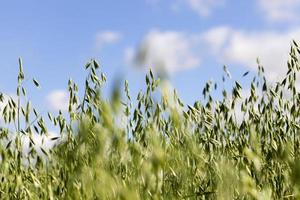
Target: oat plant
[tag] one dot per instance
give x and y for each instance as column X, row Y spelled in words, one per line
column 154, row 146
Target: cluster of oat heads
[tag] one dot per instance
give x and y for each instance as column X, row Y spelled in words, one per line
column 154, row 146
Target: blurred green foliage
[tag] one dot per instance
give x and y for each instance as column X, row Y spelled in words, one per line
column 156, row 147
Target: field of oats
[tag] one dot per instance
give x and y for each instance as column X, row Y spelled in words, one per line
column 154, row 146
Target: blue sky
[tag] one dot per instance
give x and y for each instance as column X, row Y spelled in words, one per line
column 190, row 39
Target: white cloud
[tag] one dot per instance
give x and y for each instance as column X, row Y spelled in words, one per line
column 243, row 47
column 280, row 10
column 166, row 52
column 107, row 37
column 273, row 10
column 58, row 100
column 129, row 54
column 171, row 51
column 216, row 38
column 204, row 7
